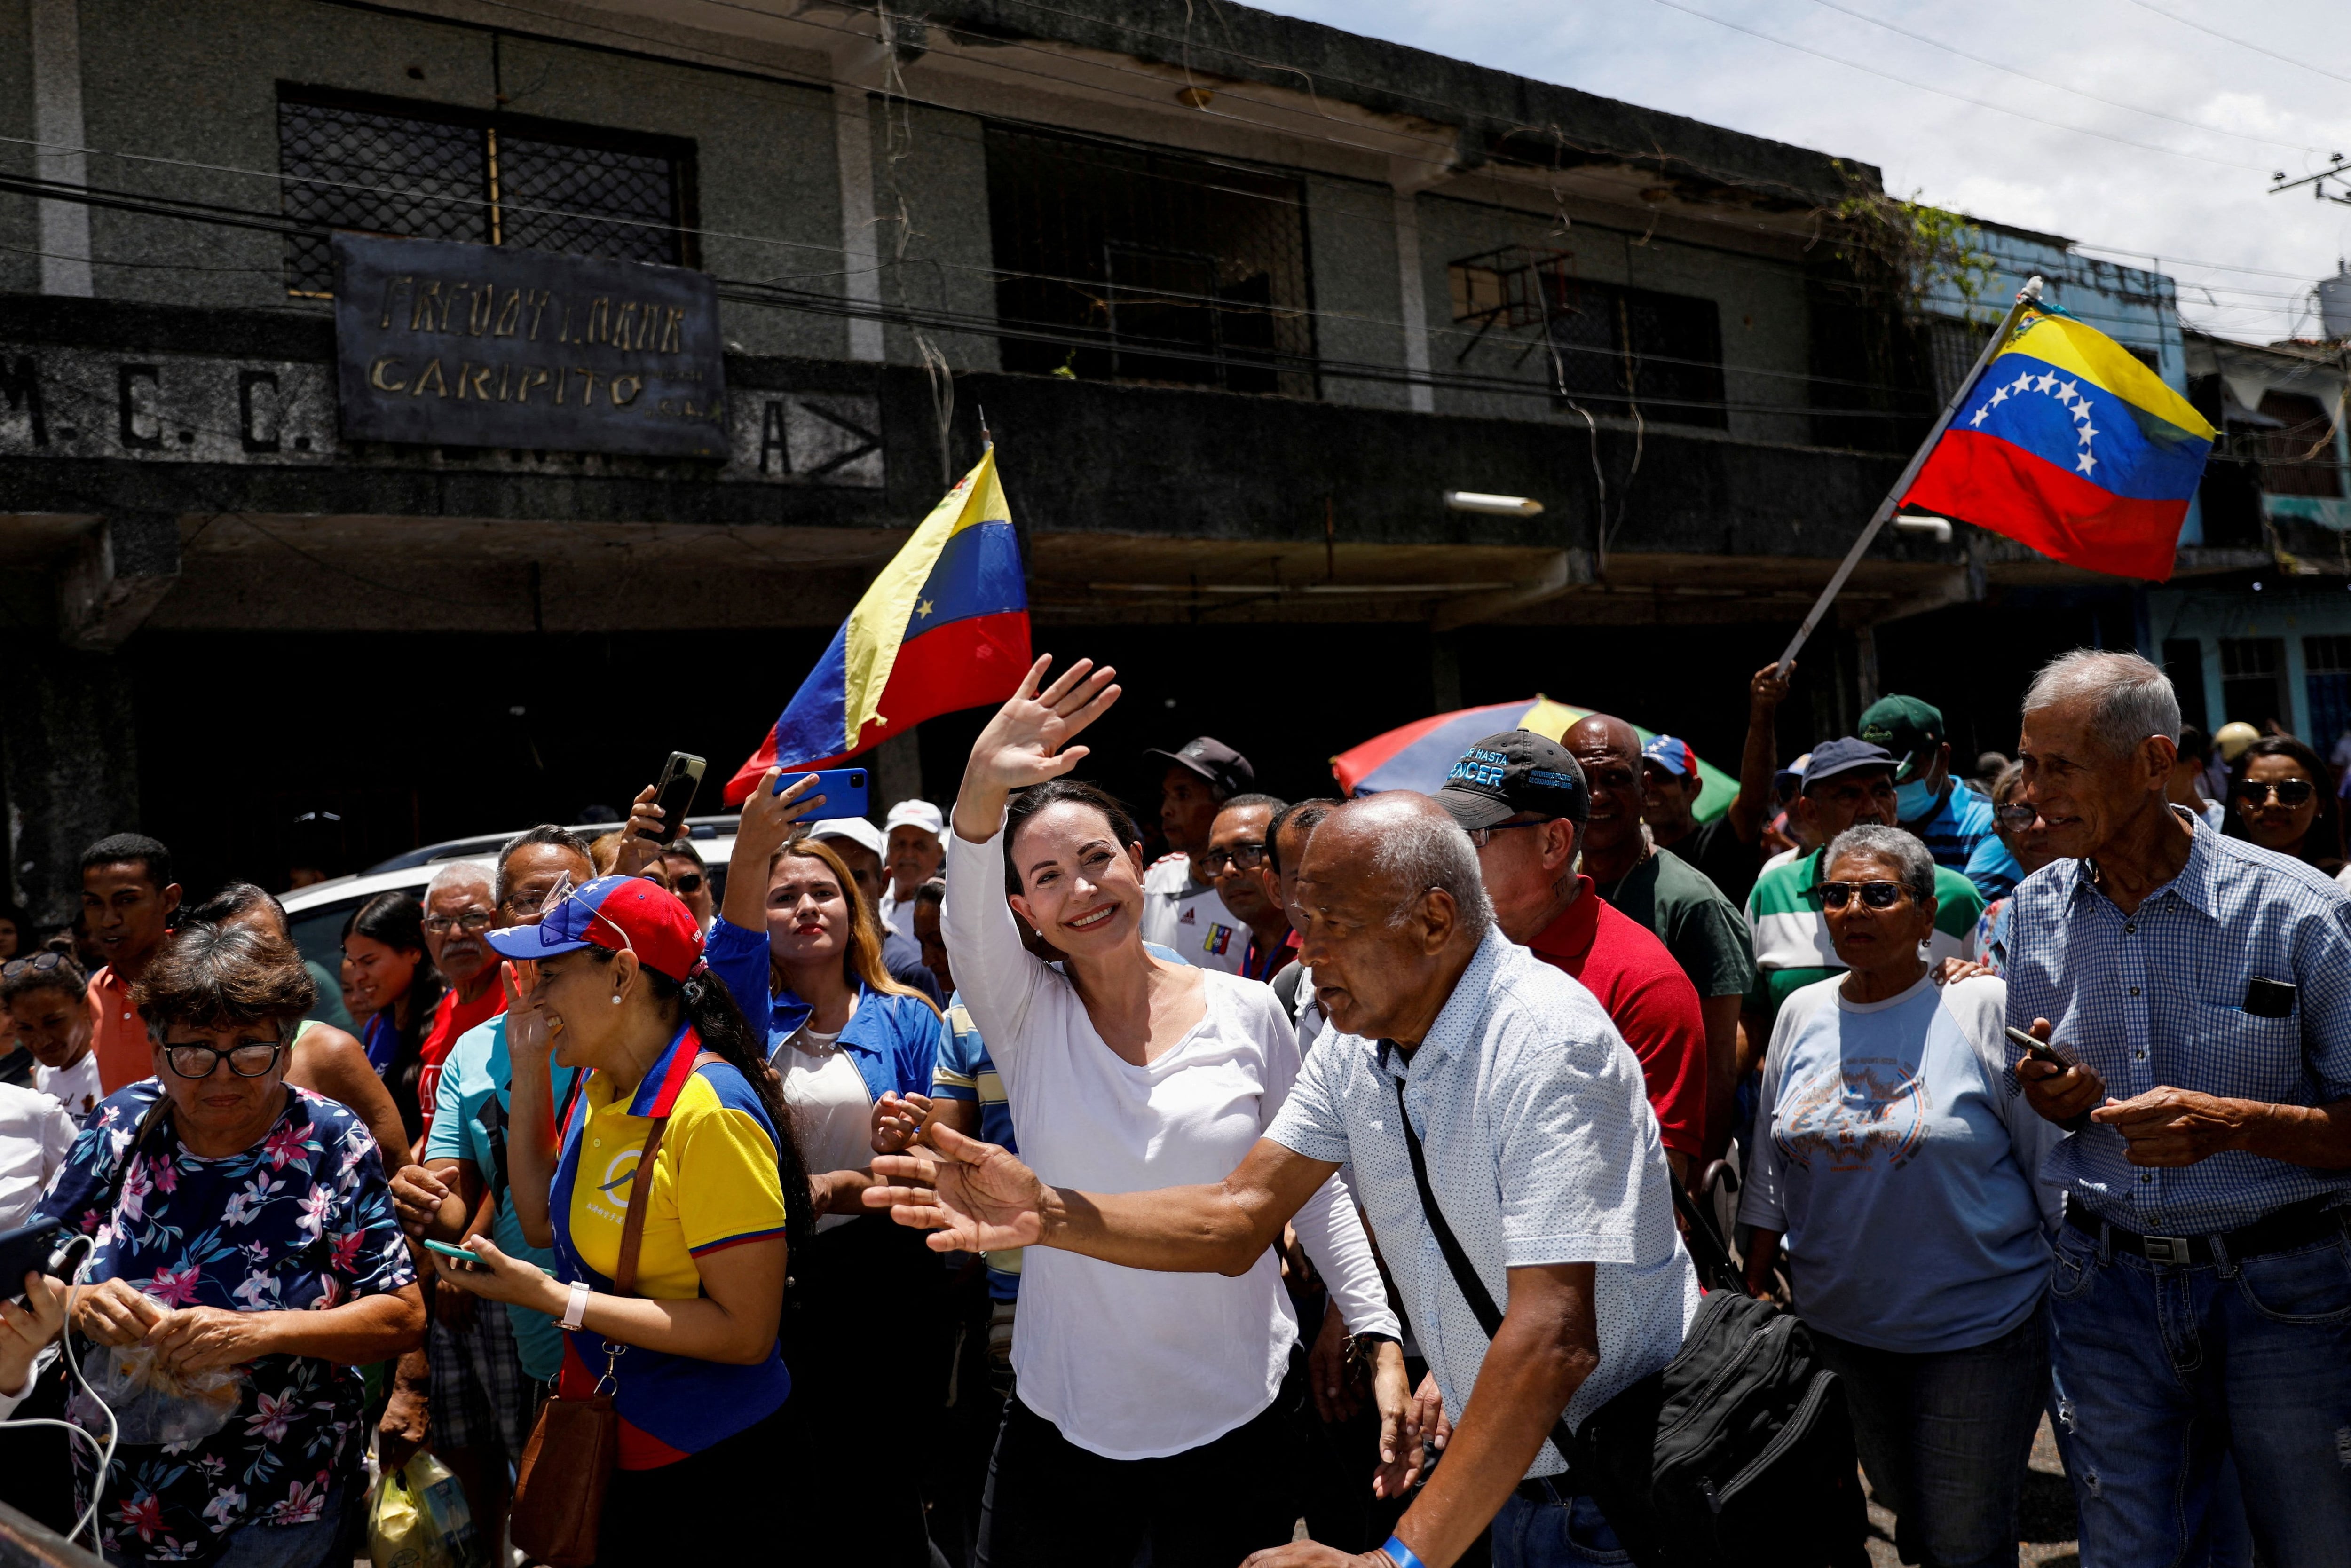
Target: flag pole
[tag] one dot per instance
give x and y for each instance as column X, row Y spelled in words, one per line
column 2026, row 296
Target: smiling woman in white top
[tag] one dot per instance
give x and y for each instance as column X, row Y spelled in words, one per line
column 1148, row 1404
column 44, row 993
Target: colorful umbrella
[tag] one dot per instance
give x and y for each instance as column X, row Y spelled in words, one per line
column 1419, row 755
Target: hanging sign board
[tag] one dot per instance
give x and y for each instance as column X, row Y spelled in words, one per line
column 442, row 344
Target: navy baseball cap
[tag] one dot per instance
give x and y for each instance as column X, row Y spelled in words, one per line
column 1844, row 755
column 1517, row 770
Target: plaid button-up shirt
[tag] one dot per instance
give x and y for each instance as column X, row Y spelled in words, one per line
column 2156, row 998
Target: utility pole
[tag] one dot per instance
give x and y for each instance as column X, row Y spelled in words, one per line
column 2317, row 182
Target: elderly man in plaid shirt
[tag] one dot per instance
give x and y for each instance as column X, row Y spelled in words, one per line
column 2199, row 989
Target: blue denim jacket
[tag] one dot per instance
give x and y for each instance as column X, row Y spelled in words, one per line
column 892, row 1039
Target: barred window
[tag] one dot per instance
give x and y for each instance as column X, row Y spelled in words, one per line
column 1617, row 348
column 1142, row 265
column 386, row 167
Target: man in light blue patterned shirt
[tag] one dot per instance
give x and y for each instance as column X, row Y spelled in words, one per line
column 1538, row 1145
column 2200, row 988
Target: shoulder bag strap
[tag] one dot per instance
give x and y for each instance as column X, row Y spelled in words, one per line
column 641, row 1188
column 632, row 1227
column 1465, row 1277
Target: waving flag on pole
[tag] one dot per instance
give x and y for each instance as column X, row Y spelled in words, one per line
column 944, row 626
column 2070, row 444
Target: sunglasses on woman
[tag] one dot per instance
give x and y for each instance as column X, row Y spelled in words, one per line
column 2285, row 791
column 1874, row 895
column 39, row 964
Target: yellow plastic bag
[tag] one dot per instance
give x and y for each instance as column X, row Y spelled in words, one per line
column 418, row 1519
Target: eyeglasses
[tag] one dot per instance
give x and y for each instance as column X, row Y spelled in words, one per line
column 2285, row 791
column 690, row 883
column 473, row 922
column 39, row 964
column 1248, row 857
column 2017, row 818
column 252, row 1059
column 1481, row 837
column 1874, row 895
column 563, row 892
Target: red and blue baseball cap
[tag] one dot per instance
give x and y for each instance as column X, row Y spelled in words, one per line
column 620, row 913
column 1671, row 754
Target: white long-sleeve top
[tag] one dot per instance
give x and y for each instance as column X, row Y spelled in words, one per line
column 1128, row 1363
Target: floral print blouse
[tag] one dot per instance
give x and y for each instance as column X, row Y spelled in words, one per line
column 301, row 1221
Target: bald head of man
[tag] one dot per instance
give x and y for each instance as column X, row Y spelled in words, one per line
column 1392, row 912
column 1609, row 751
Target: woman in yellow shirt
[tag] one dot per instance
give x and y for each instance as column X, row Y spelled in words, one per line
column 614, row 975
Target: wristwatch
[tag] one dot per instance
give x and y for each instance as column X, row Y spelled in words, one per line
column 575, row 1311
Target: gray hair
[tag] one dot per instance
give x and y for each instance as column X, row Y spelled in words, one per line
column 461, row 874
column 1914, row 867
column 545, row 833
column 2130, row 698
column 1430, row 851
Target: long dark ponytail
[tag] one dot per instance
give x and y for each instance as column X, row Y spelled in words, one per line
column 726, row 1034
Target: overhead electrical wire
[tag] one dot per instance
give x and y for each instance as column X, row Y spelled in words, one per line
column 1955, row 97
column 2227, row 38
column 2057, row 86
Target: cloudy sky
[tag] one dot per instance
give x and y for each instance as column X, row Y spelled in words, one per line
column 2139, row 127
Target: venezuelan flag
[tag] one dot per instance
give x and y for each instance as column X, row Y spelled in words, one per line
column 2070, row 444
column 944, row 626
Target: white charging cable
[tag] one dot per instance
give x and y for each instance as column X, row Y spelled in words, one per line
column 89, row 1520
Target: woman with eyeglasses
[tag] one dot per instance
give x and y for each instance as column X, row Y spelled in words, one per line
column 322, row 1058
column 239, row 1225
column 2026, row 838
column 2280, row 798
column 1900, row 1168
column 672, row 1115
column 395, row 985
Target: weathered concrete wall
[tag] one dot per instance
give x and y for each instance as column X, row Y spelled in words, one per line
column 20, row 270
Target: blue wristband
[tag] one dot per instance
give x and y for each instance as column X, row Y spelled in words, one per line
column 1400, row 1555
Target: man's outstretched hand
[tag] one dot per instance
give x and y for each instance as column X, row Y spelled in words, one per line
column 973, row 1196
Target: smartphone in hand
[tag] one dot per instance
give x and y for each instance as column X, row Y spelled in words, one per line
column 845, row 790
column 681, row 776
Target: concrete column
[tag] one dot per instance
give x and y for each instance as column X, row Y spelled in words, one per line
column 1412, row 303
column 70, row 765
column 115, row 578
column 897, row 766
column 860, row 255
column 58, row 129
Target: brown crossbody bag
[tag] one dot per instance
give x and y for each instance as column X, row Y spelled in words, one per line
column 558, row 1495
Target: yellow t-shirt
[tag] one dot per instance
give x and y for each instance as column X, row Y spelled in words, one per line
column 714, row 1186
column 714, row 1183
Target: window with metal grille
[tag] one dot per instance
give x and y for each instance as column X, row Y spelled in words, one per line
column 1142, row 265
column 2326, row 676
column 1615, row 348
column 2252, row 680
column 382, row 166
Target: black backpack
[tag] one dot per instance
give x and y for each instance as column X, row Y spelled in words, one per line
column 1737, row 1454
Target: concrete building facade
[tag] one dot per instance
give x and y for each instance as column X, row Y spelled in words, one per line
column 1242, row 298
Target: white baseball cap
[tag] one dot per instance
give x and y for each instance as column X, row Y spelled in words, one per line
column 856, row 830
column 915, row 814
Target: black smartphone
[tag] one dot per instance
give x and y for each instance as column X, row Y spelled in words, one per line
column 681, row 776
column 844, row 789
column 2039, row 1050
column 30, row 1249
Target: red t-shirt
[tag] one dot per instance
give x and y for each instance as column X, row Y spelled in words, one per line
column 1651, row 1001
column 451, row 1020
